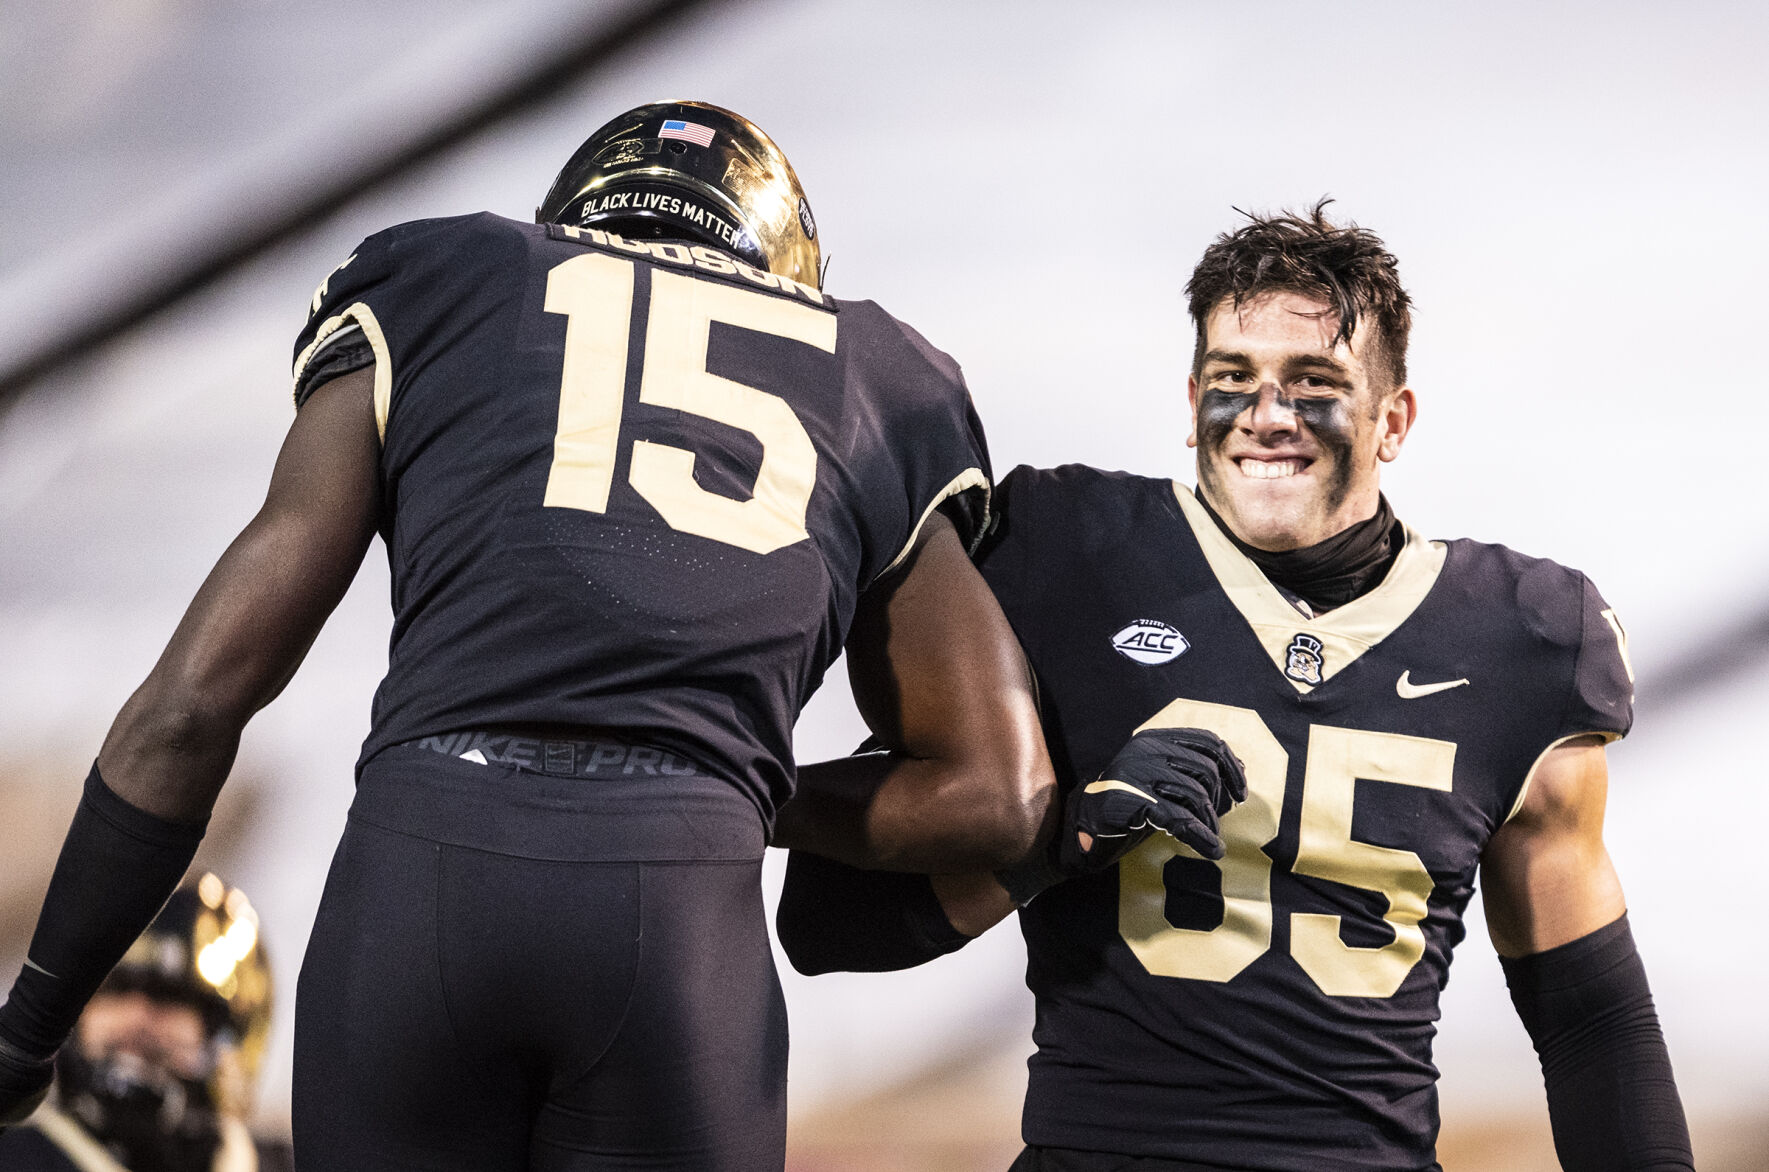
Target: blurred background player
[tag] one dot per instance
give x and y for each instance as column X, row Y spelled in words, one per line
column 1411, row 713
column 637, row 492
column 159, row 1074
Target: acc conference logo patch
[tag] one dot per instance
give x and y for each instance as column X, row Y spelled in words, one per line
column 1150, row 642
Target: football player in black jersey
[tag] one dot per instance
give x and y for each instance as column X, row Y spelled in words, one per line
column 159, row 1073
column 640, row 480
column 1411, row 714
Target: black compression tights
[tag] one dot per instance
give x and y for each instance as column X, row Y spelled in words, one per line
column 465, row 1010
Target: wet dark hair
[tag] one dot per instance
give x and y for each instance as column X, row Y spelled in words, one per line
column 1346, row 266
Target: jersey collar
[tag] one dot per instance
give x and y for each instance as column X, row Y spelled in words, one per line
column 1310, row 651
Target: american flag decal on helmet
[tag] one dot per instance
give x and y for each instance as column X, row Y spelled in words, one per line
column 692, row 132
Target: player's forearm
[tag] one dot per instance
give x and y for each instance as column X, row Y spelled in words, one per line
column 890, row 811
column 168, row 756
column 939, row 815
column 170, row 748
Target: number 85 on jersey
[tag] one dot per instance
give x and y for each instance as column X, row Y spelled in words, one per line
column 1337, row 759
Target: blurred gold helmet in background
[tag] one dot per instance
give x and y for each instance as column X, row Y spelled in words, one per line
column 203, row 949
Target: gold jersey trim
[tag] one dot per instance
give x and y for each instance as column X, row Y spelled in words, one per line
column 238, row 1153
column 1345, row 632
column 75, row 1142
column 968, row 479
column 363, row 317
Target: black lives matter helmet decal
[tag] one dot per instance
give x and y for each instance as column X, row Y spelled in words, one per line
column 694, row 171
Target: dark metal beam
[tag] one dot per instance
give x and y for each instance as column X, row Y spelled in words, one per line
column 1711, row 663
column 277, row 224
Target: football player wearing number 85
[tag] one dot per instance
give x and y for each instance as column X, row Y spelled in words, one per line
column 640, row 479
column 1411, row 714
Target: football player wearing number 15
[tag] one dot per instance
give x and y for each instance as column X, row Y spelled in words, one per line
column 1411, row 713
column 639, row 480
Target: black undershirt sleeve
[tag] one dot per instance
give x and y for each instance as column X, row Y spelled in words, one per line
column 117, row 868
column 1612, row 1100
column 837, row 918
column 334, row 360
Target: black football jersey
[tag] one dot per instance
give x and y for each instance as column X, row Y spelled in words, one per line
column 28, row 1148
column 1275, row 1010
column 631, row 486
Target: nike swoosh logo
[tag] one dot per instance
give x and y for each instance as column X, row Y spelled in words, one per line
column 1407, row 690
column 1104, row 785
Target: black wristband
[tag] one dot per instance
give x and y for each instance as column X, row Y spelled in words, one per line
column 118, row 865
column 1612, row 1099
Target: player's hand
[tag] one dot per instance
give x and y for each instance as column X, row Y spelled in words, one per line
column 1178, row 780
column 24, row 1081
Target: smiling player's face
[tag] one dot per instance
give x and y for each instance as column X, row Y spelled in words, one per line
column 1291, row 424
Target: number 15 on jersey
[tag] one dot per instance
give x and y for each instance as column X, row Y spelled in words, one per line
column 595, row 294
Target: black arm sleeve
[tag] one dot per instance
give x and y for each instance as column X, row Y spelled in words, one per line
column 837, row 918
column 1612, row 1100
column 117, row 867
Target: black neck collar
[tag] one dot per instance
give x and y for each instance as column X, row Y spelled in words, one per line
column 1332, row 572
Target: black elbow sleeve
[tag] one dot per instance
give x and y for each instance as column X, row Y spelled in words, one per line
column 1612, row 1099
column 837, row 918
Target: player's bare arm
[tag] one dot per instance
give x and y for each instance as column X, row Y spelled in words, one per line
column 147, row 801
column 940, row 679
column 1176, row 780
column 1547, row 877
column 834, row 917
column 1557, row 917
column 251, row 623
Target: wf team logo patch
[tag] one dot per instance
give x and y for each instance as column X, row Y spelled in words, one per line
column 1302, row 662
column 1150, row 642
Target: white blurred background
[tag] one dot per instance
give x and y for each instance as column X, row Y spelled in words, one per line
column 1577, row 192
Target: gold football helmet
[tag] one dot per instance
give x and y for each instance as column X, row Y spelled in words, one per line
column 203, row 949
column 695, row 171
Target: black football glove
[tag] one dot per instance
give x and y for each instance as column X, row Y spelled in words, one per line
column 1178, row 780
column 24, row 1081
